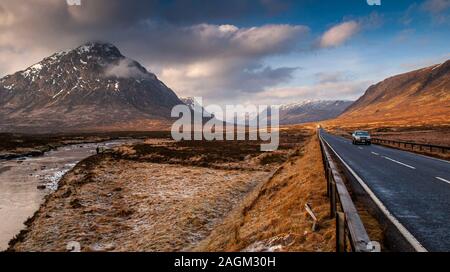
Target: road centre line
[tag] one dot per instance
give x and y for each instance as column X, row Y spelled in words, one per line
column 401, row 163
column 442, row 179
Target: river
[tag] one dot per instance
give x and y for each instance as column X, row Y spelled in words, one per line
column 20, row 197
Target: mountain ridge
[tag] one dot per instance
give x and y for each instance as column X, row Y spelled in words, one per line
column 311, row 111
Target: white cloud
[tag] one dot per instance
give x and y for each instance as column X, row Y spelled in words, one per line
column 231, row 41
column 339, row 34
column 126, row 68
column 340, row 90
column 73, row 2
column 257, row 40
column 223, row 78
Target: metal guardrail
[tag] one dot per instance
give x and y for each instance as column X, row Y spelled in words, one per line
column 349, row 226
column 422, row 147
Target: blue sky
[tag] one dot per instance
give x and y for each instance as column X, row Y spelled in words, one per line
column 240, row 51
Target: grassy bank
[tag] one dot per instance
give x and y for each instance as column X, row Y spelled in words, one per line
column 273, row 217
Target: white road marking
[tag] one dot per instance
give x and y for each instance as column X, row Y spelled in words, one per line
column 360, row 148
column 404, row 164
column 444, row 180
column 375, row 153
column 416, row 154
column 408, row 216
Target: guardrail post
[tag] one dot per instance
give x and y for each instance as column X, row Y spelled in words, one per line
column 332, row 199
column 341, row 245
column 330, row 175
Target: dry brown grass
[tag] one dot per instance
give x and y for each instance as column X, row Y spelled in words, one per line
column 110, row 205
column 156, row 195
column 273, row 217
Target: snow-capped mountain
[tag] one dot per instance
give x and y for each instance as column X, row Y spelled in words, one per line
column 299, row 112
column 189, row 101
column 90, row 87
column 311, row 111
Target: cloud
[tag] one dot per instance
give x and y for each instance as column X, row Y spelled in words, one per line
column 221, row 79
column 334, row 85
column 372, row 21
column 405, row 35
column 340, row 90
column 215, row 60
column 126, row 68
column 408, row 15
column 167, row 45
column 436, row 6
column 339, row 34
column 73, row 2
column 218, row 61
column 438, row 9
column 6, row 17
column 327, row 77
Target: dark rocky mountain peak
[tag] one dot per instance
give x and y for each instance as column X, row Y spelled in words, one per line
column 93, row 80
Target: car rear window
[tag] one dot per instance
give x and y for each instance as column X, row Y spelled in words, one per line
column 362, row 133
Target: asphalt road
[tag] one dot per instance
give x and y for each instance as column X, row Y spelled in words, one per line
column 414, row 188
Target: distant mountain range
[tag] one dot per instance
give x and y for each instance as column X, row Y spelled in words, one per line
column 418, row 97
column 92, row 87
column 301, row 112
column 312, row 111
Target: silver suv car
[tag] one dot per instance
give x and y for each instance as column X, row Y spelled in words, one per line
column 362, row 137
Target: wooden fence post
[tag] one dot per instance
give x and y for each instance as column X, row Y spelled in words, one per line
column 333, row 199
column 340, row 232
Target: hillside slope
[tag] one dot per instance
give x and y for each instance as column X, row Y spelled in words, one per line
column 420, row 97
